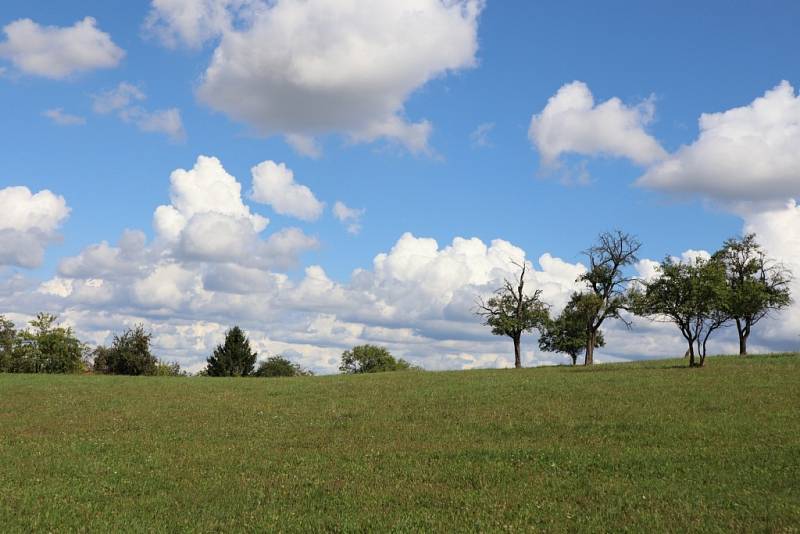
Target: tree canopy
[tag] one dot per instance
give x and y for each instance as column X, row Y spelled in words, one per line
column 129, row 354
column 233, row 357
column 692, row 295
column 511, row 312
column 276, row 366
column 371, row 359
column 567, row 333
column 758, row 285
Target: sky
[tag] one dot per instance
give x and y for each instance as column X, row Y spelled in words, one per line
column 327, row 173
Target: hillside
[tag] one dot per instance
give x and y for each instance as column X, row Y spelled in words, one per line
column 640, row 446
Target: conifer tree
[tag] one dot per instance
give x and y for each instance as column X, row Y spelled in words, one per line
column 233, row 357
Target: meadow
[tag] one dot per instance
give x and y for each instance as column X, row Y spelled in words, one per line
column 639, row 446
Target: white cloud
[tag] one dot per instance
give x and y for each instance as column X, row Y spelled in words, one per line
column 193, row 22
column 273, row 184
column 742, row 154
column 479, row 138
column 304, row 145
column 58, row 52
column 571, row 122
column 348, row 216
column 122, row 101
column 28, row 223
column 303, row 69
column 58, row 116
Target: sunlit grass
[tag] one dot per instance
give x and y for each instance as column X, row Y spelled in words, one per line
column 644, row 446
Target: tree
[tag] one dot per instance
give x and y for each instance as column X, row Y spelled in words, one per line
column 693, row 295
column 8, row 337
column 371, row 359
column 233, row 357
column 567, row 332
column 510, row 312
column 46, row 348
column 758, row 285
column 607, row 282
column 129, row 354
column 275, row 366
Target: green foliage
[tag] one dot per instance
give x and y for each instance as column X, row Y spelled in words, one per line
column 46, row 348
column 233, row 357
column 371, row 359
column 694, row 296
column 168, row 369
column 511, row 312
column 567, row 332
column 276, row 366
column 129, row 354
column 758, row 285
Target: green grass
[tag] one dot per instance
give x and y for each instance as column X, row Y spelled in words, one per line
column 645, row 446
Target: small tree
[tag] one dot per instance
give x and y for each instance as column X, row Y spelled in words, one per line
column 567, row 332
column 607, row 282
column 8, row 337
column 694, row 296
column 758, row 285
column 275, row 366
column 371, row 359
column 129, row 354
column 46, row 348
column 233, row 357
column 510, row 312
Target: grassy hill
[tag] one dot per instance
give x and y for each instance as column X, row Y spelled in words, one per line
column 639, row 446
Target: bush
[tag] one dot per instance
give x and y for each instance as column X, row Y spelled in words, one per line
column 371, row 359
column 275, row 366
column 129, row 354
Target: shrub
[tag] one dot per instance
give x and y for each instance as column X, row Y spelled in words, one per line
column 371, row 359
column 275, row 366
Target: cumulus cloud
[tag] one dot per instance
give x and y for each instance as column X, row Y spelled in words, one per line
column 571, row 122
column 58, row 116
column 273, row 184
column 742, row 154
column 351, row 217
column 122, row 101
column 58, row 52
column 28, row 223
column 303, row 69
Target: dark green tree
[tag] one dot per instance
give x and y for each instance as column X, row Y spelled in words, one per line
column 371, row 359
column 510, row 312
column 694, row 296
column 129, row 354
column 567, row 332
column 607, row 282
column 8, row 338
column 276, row 366
column 758, row 285
column 233, row 357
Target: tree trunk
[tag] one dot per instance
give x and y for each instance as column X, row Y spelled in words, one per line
column 574, row 359
column 742, row 344
column 590, row 340
column 691, row 354
column 517, row 356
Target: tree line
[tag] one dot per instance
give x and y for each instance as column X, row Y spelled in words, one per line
column 47, row 347
column 737, row 285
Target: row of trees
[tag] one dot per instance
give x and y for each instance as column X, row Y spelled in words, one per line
column 737, row 285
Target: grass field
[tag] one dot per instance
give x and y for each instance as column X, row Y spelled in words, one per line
column 644, row 446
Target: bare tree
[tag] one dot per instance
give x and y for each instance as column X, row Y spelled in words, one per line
column 510, row 312
column 606, row 282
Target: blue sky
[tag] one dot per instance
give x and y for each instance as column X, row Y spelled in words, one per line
column 684, row 58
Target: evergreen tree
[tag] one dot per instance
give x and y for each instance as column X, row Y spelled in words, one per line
column 233, row 357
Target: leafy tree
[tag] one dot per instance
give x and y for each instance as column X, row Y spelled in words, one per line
column 46, row 348
column 168, row 369
column 279, row 366
column 129, row 354
column 607, row 282
column 758, row 284
column 233, row 357
column 371, row 359
column 567, row 332
column 510, row 312
column 8, row 337
column 694, row 296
